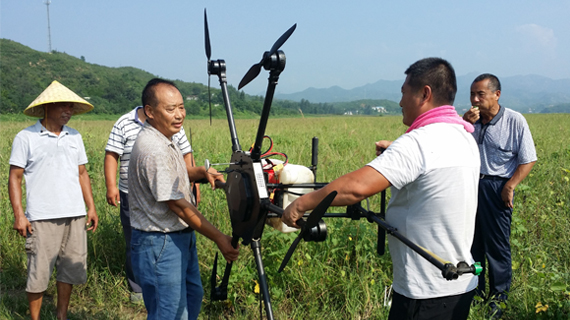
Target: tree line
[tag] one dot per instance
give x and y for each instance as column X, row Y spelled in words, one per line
column 25, row 73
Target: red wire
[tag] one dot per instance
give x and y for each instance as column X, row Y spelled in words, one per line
column 270, row 146
column 269, row 154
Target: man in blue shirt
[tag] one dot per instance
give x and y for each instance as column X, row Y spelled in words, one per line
column 507, row 156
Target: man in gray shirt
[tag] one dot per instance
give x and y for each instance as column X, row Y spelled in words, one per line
column 120, row 145
column 163, row 215
column 507, row 156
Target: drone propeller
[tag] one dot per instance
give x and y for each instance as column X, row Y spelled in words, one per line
column 256, row 68
column 208, row 55
column 312, row 221
column 207, row 37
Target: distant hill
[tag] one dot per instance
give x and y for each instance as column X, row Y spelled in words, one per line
column 560, row 108
column 25, row 73
column 529, row 93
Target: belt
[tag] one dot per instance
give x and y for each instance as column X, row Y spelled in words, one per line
column 489, row 177
column 187, row 230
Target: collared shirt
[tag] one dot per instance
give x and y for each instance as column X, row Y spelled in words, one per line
column 157, row 174
column 122, row 138
column 434, row 173
column 504, row 143
column 51, row 171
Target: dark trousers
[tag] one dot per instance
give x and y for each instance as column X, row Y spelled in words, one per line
column 492, row 239
column 126, row 223
column 443, row 308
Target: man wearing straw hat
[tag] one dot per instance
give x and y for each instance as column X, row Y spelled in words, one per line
column 51, row 158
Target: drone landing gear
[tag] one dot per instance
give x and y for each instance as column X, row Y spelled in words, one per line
column 264, row 287
column 221, row 293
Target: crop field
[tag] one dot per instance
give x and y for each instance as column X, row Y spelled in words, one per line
column 341, row 278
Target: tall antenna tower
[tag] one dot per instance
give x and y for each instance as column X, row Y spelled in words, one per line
column 49, row 30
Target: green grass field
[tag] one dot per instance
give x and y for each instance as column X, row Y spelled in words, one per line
column 343, row 274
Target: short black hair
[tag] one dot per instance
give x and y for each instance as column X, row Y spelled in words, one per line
column 149, row 92
column 436, row 73
column 494, row 83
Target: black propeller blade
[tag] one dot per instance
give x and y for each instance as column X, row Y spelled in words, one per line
column 256, row 68
column 208, row 55
column 311, row 222
column 207, row 37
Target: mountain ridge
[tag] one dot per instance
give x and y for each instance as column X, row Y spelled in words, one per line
column 525, row 93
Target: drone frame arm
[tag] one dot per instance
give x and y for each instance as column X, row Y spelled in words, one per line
column 218, row 67
column 356, row 211
column 276, row 64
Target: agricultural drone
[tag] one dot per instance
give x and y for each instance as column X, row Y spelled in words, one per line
column 249, row 185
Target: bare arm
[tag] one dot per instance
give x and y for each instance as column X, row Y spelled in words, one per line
column 21, row 223
column 85, row 182
column 353, row 187
column 507, row 194
column 191, row 163
column 196, row 220
column 194, row 186
column 110, row 168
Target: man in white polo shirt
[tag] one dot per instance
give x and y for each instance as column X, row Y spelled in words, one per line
column 51, row 158
column 433, row 170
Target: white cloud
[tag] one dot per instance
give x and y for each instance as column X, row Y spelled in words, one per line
column 534, row 34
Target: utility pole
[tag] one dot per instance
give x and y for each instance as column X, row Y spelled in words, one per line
column 49, row 30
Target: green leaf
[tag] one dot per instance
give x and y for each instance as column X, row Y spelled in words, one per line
column 558, row 286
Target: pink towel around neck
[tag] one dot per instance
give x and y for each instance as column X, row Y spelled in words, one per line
column 443, row 114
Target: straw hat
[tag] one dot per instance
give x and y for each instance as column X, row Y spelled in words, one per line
column 57, row 92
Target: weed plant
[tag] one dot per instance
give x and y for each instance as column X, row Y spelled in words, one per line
column 341, row 278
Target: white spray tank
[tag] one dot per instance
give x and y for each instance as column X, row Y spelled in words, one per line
column 291, row 174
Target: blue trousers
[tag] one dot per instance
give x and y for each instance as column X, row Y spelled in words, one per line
column 166, row 267
column 126, row 223
column 492, row 239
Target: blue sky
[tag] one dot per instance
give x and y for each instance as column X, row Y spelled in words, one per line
column 344, row 43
